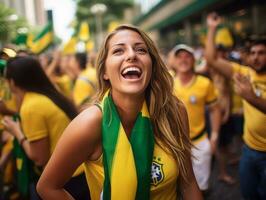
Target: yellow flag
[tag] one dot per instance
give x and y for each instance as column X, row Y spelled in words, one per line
column 43, row 40
column 89, row 45
column 70, row 46
column 112, row 25
column 29, row 41
column 84, row 31
column 224, row 37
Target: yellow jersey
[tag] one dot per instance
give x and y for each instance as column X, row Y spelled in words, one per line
column 164, row 175
column 65, row 85
column 255, row 120
column 85, row 86
column 40, row 118
column 195, row 95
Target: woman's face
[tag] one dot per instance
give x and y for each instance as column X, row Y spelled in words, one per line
column 128, row 65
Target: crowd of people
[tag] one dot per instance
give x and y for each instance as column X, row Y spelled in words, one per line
column 129, row 124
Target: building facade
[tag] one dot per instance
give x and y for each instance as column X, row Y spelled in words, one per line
column 32, row 10
column 183, row 21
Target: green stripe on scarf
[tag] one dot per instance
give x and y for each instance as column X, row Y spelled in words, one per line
column 142, row 145
column 26, row 171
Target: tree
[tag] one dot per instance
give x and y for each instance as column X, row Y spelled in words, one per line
column 9, row 24
column 114, row 12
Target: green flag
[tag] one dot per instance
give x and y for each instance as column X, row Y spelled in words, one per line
column 43, row 40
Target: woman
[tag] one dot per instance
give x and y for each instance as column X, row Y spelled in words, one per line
column 44, row 114
column 133, row 141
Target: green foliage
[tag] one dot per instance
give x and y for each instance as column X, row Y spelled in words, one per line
column 9, row 27
column 115, row 11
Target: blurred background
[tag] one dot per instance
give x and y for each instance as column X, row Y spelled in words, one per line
column 64, row 33
column 76, row 25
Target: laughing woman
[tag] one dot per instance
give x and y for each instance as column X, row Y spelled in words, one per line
column 134, row 140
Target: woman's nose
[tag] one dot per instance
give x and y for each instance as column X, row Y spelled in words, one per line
column 131, row 54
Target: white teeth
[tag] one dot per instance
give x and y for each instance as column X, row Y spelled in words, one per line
column 131, row 69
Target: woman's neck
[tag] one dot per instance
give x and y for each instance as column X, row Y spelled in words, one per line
column 128, row 108
column 19, row 97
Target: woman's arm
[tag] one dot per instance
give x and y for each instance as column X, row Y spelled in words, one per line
column 78, row 143
column 38, row 151
column 191, row 189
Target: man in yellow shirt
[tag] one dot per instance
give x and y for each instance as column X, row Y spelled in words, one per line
column 197, row 92
column 250, row 84
column 85, row 79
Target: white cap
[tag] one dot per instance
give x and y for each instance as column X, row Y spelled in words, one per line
column 184, row 47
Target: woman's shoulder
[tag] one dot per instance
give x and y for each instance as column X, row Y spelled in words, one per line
column 87, row 125
column 35, row 102
column 91, row 116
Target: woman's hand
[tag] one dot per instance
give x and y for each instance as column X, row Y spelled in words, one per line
column 13, row 127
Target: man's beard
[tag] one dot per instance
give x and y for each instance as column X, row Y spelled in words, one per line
column 262, row 70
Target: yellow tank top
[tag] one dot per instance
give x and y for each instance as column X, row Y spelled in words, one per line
column 164, row 175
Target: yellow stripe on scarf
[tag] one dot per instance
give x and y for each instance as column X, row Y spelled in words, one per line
column 122, row 180
column 144, row 111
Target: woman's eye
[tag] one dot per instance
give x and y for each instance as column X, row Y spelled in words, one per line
column 117, row 51
column 141, row 50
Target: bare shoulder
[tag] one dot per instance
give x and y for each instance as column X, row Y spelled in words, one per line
column 84, row 132
column 87, row 123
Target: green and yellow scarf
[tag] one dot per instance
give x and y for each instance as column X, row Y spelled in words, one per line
column 127, row 162
column 26, row 171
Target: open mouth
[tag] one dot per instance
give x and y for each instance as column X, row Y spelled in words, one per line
column 131, row 73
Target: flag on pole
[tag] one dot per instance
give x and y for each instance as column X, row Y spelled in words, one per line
column 29, row 41
column 112, row 26
column 84, row 31
column 43, row 40
column 70, row 46
column 224, row 37
column 89, row 45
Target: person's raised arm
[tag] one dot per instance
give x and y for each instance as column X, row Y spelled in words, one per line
column 50, row 69
column 220, row 64
column 77, row 144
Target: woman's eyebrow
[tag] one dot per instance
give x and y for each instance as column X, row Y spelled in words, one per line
column 123, row 44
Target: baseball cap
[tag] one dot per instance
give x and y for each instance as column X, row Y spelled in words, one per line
column 9, row 52
column 184, row 47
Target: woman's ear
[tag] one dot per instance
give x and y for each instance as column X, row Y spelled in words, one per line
column 105, row 77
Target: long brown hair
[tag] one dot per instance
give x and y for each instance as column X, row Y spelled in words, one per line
column 164, row 107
